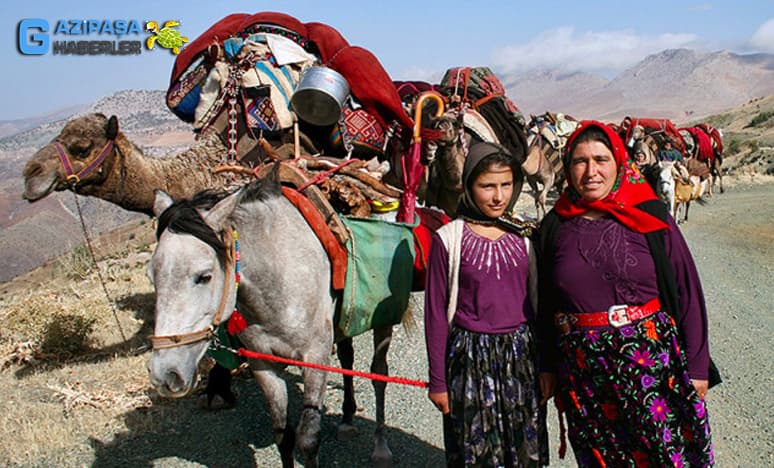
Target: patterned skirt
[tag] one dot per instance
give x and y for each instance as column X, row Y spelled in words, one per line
column 629, row 400
column 495, row 415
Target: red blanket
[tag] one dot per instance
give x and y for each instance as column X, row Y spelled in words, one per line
column 664, row 125
column 704, row 143
column 714, row 133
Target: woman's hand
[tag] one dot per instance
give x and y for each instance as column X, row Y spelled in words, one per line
column 701, row 387
column 440, row 400
column 547, row 386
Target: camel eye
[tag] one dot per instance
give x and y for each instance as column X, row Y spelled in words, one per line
column 204, row 278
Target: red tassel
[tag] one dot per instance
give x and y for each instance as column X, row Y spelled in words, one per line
column 236, row 323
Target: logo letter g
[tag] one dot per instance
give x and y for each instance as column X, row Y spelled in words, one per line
column 34, row 43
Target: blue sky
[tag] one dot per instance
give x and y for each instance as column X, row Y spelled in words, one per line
column 416, row 39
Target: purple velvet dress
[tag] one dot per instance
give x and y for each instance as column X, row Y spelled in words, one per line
column 627, row 391
column 486, row 360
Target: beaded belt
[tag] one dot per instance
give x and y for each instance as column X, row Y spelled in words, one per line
column 616, row 316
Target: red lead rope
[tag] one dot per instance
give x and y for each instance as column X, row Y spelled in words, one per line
column 383, row 378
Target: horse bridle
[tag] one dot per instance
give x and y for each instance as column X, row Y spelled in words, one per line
column 75, row 178
column 171, row 341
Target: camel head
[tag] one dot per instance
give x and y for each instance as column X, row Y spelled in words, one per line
column 450, row 152
column 81, row 142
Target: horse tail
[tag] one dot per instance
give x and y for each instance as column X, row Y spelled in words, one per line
column 408, row 321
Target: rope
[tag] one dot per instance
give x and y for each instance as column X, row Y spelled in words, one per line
column 96, row 265
column 382, row 378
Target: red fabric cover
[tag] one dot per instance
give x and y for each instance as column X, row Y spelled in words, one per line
column 622, row 200
column 714, row 133
column 219, row 31
column 336, row 253
column 658, row 124
column 704, row 143
column 429, row 222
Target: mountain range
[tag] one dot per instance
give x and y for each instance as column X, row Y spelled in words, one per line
column 683, row 85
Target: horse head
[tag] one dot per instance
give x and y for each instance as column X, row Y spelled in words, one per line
column 636, row 134
column 81, row 155
column 193, row 273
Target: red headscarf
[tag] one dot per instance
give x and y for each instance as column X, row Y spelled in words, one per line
column 630, row 188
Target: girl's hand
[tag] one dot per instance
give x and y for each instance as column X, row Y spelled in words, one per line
column 547, row 386
column 440, row 400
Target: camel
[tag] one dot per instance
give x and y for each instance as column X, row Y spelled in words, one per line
column 456, row 131
column 126, row 177
column 544, row 158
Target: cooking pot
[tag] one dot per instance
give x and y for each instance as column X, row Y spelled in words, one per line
column 319, row 96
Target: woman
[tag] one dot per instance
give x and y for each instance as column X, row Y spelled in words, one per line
column 629, row 315
column 478, row 323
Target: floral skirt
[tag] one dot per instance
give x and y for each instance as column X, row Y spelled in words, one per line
column 494, row 399
column 629, row 400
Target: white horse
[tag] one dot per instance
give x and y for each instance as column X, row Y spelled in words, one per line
column 285, row 296
column 665, row 188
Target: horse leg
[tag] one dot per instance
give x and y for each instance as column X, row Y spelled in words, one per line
column 719, row 175
column 382, row 455
column 346, row 355
column 548, row 182
column 533, row 186
column 275, row 392
column 308, row 431
column 218, row 394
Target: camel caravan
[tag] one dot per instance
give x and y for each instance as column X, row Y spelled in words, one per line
column 302, row 214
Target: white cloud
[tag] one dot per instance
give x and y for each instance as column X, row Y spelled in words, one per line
column 763, row 38
column 600, row 52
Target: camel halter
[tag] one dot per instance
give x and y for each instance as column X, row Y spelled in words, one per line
column 171, row 341
column 74, row 178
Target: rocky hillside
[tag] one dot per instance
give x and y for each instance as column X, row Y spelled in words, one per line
column 679, row 84
column 32, row 233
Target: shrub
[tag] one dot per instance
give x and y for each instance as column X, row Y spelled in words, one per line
column 733, row 146
column 761, row 118
column 67, row 333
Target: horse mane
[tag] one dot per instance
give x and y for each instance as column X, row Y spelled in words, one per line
column 183, row 217
column 263, row 189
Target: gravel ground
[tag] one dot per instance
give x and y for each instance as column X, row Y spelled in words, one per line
column 731, row 239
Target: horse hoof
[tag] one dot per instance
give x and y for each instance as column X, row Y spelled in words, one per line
column 215, row 403
column 382, row 458
column 346, row 432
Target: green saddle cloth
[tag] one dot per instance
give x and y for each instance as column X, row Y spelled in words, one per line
column 380, row 266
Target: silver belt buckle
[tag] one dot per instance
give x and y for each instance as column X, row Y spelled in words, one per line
column 617, row 316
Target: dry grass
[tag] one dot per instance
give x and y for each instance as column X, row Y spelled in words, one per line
column 66, row 374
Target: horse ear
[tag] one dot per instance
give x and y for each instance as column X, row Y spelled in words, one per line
column 111, row 128
column 216, row 217
column 161, row 203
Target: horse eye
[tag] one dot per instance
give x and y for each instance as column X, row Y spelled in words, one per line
column 203, row 278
